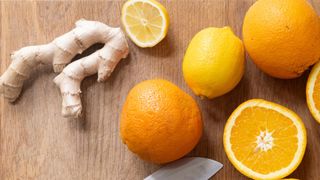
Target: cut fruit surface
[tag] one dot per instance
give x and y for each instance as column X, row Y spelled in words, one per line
column 313, row 92
column 145, row 21
column 264, row 140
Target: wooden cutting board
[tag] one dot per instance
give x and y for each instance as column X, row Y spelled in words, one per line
column 37, row 143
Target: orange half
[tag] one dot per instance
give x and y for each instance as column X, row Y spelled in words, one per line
column 313, row 92
column 264, row 140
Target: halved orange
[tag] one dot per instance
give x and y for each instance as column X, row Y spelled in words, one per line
column 264, row 140
column 313, row 92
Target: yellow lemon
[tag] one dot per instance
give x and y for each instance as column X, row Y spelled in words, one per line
column 145, row 21
column 214, row 62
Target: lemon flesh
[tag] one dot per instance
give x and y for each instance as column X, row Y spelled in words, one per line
column 145, row 21
column 214, row 62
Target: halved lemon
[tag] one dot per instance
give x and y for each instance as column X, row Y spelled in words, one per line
column 313, row 92
column 264, row 140
column 145, row 21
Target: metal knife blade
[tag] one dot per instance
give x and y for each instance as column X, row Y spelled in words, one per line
column 190, row 168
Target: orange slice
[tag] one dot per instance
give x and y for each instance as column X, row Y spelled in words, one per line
column 313, row 92
column 264, row 140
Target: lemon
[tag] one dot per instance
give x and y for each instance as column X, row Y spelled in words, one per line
column 145, row 21
column 214, row 62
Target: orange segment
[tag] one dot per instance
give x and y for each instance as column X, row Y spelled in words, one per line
column 313, row 92
column 264, row 140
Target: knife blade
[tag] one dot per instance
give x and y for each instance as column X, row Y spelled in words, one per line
column 190, row 168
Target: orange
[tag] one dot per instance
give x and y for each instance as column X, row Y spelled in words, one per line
column 160, row 122
column 282, row 36
column 313, row 92
column 264, row 140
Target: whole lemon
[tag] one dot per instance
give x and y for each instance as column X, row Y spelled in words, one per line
column 214, row 62
column 160, row 122
column 282, row 36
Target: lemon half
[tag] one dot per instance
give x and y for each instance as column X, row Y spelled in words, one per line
column 145, row 21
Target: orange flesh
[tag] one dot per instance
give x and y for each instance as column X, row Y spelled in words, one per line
column 316, row 92
column 244, row 135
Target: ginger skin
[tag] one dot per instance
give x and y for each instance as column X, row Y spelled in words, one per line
column 102, row 61
column 59, row 52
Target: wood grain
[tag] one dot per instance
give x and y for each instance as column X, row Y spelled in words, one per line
column 37, row 143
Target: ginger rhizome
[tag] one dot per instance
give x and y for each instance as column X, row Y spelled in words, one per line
column 58, row 53
column 102, row 61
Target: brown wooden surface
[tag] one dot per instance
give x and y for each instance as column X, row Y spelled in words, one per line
column 37, row 143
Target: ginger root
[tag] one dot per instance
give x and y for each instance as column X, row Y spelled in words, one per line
column 59, row 52
column 102, row 61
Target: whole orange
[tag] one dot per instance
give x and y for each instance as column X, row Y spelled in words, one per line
column 160, row 122
column 282, row 36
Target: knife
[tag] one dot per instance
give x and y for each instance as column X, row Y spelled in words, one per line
column 190, row 168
